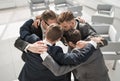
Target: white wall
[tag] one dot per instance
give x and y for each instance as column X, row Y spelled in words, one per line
column 21, row 3
column 113, row 2
column 12, row 3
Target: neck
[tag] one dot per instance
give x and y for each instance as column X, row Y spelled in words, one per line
column 51, row 42
column 43, row 25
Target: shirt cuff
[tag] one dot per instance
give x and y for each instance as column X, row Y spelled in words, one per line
column 26, row 48
column 44, row 55
column 93, row 43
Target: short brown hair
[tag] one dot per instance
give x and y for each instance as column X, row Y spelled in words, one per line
column 54, row 32
column 65, row 16
column 72, row 35
column 48, row 14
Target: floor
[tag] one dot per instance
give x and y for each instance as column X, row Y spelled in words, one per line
column 10, row 61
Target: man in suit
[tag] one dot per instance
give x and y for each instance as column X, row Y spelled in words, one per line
column 39, row 26
column 31, row 34
column 93, row 69
column 67, row 21
column 34, row 70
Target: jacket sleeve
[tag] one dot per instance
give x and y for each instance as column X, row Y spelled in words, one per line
column 87, row 31
column 74, row 58
column 57, row 69
column 20, row 44
column 26, row 32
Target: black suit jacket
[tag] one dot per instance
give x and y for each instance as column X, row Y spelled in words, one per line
column 33, row 69
column 28, row 34
column 74, row 58
column 86, row 30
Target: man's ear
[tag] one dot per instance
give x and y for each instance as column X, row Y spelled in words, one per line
column 71, row 44
column 59, row 39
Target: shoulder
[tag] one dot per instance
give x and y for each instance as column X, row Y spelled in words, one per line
column 57, row 47
column 30, row 20
column 76, row 50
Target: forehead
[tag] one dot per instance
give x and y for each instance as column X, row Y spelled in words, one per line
column 50, row 21
column 64, row 23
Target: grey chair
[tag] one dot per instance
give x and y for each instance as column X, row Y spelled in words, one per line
column 98, row 18
column 37, row 5
column 104, row 14
column 112, row 51
column 77, row 10
column 104, row 8
column 61, row 4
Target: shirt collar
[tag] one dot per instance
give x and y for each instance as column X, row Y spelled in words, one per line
column 76, row 23
column 46, row 42
column 43, row 30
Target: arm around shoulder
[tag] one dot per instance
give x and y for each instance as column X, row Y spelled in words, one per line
column 20, row 44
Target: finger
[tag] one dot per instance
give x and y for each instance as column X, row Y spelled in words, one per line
column 101, row 42
column 40, row 42
column 43, row 50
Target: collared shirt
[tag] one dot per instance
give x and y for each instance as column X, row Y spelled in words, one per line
column 76, row 23
column 45, row 54
column 43, row 31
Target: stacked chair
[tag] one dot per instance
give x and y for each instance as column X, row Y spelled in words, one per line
column 112, row 34
column 104, row 14
column 37, row 5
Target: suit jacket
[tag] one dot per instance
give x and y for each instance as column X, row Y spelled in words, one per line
column 28, row 34
column 33, row 34
column 86, row 30
column 74, row 58
column 94, row 69
column 33, row 69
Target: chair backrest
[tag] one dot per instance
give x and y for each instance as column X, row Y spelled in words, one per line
column 37, row 1
column 112, row 33
column 101, row 29
column 76, row 10
column 56, row 2
column 119, row 40
column 106, row 7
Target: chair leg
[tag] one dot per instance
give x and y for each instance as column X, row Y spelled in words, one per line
column 114, row 65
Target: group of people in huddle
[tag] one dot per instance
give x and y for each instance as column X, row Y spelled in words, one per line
column 46, row 61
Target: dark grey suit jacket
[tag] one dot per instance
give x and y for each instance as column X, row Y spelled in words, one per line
column 94, row 69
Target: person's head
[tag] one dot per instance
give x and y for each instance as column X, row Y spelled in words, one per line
column 66, row 20
column 48, row 17
column 72, row 36
column 54, row 33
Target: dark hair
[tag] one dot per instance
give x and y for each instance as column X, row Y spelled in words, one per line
column 54, row 32
column 72, row 35
column 48, row 14
column 65, row 16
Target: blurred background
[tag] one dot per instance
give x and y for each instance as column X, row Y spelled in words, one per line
column 103, row 15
